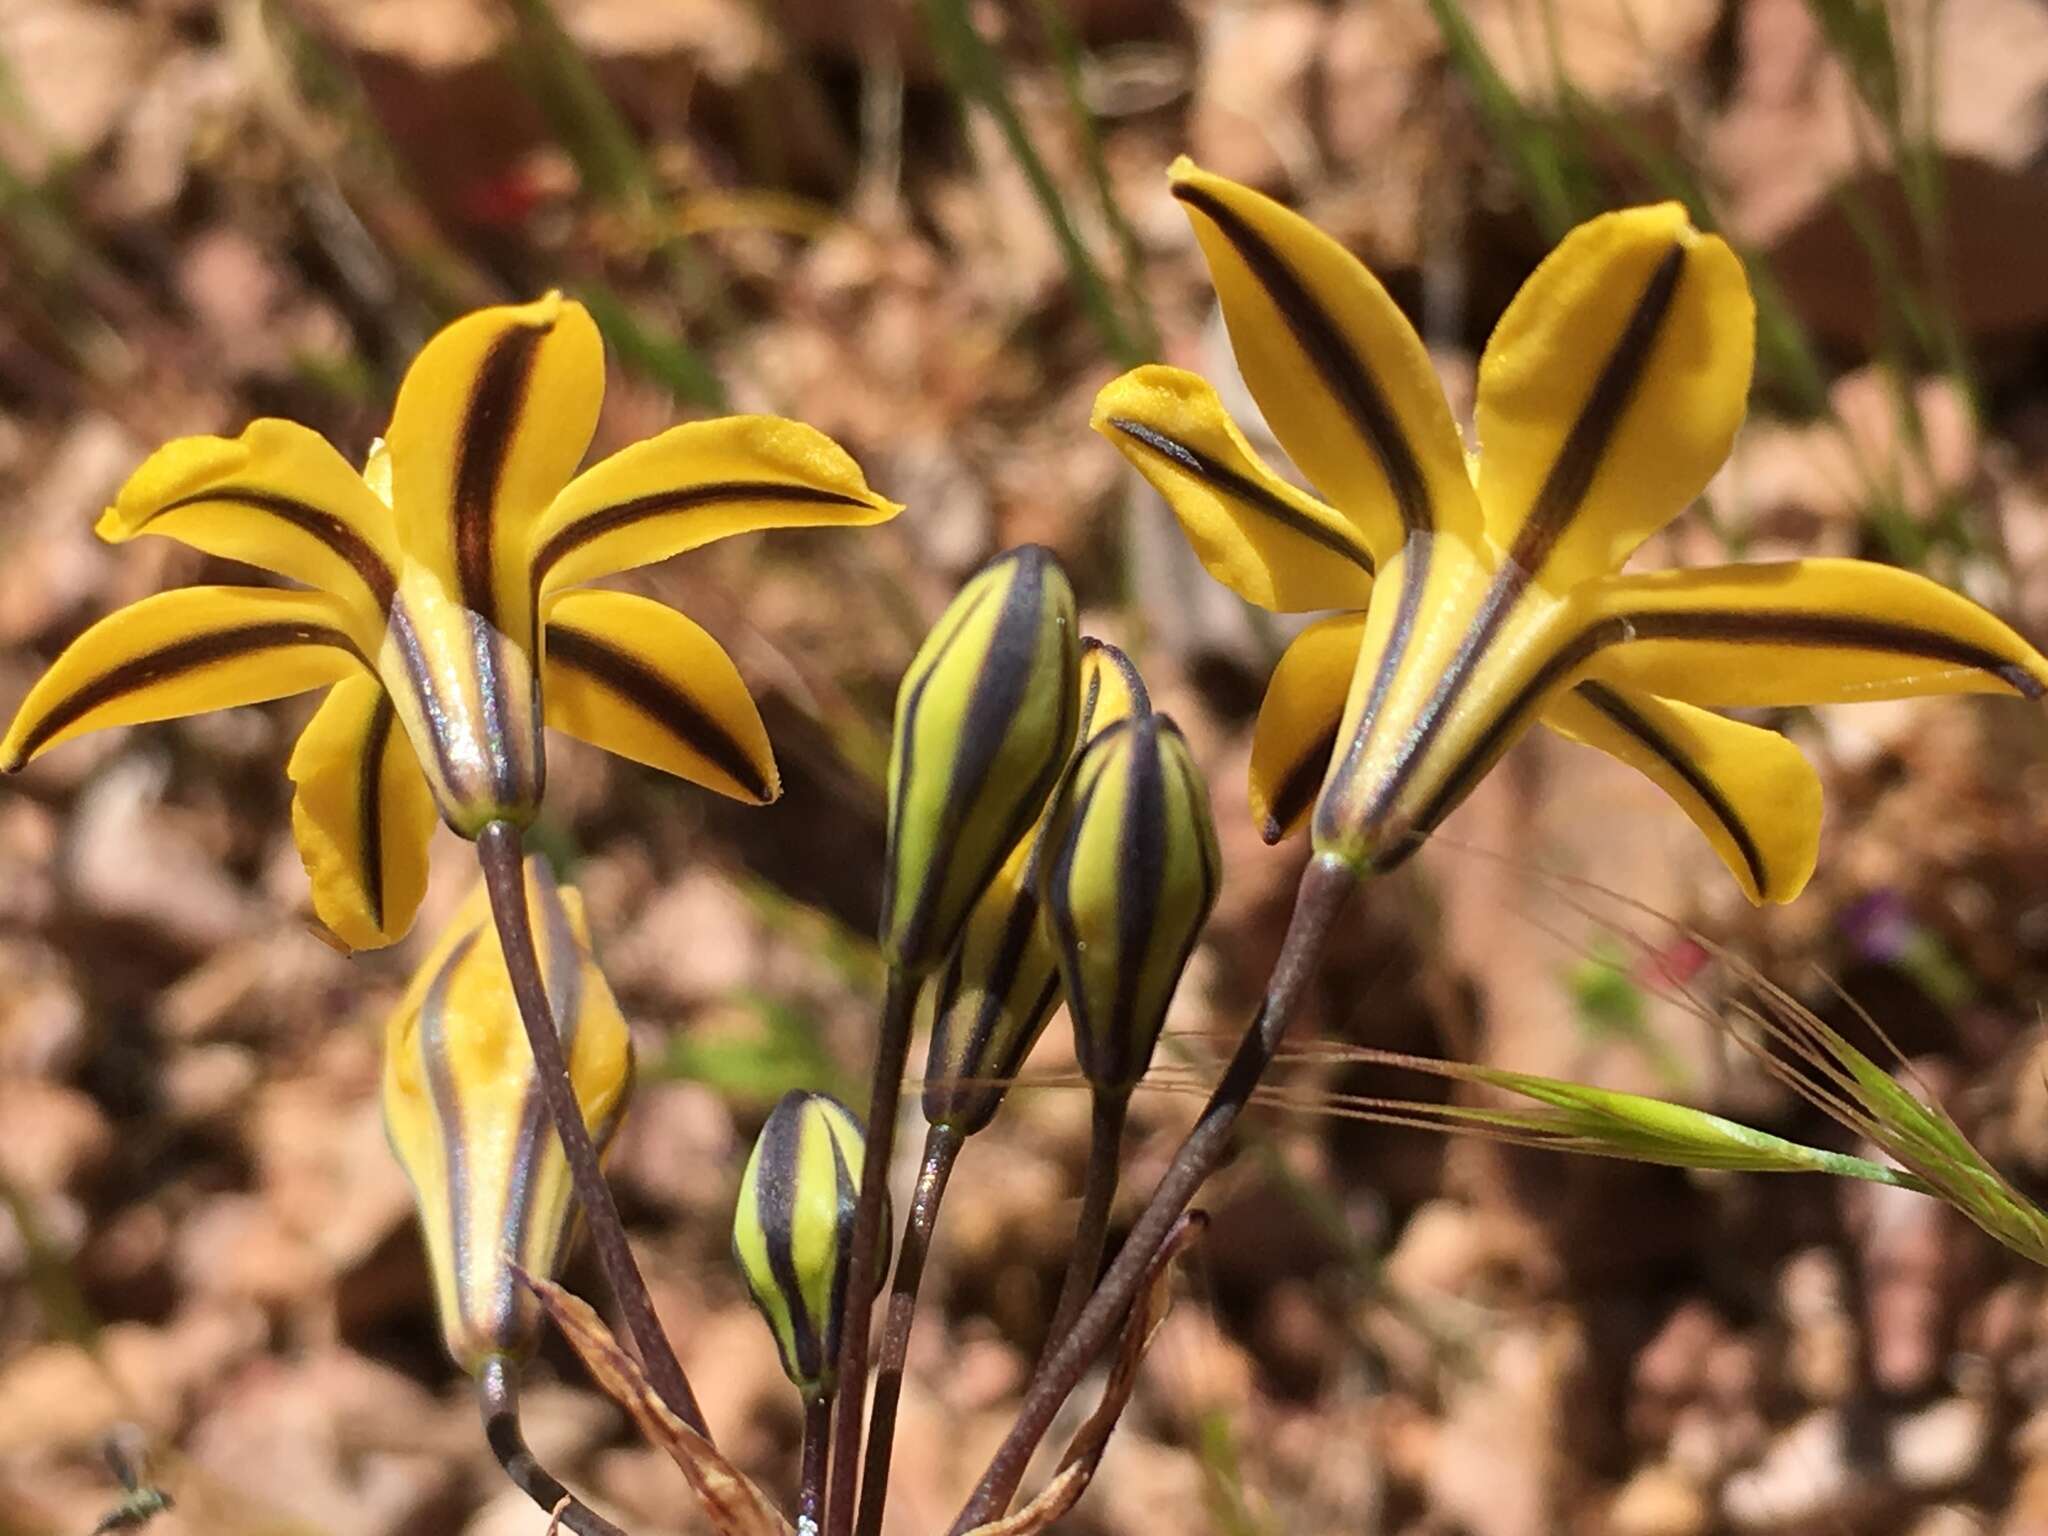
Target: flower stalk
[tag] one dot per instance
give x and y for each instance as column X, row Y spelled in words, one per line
column 497, row 1395
column 1326, row 886
column 1091, row 1229
column 864, row 1272
column 499, row 852
column 942, row 1144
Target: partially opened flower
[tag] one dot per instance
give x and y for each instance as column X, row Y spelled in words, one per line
column 1477, row 598
column 447, row 611
column 466, row 1119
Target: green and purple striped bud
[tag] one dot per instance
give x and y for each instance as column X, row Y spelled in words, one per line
column 1128, row 876
column 996, row 992
column 792, row 1234
column 984, row 723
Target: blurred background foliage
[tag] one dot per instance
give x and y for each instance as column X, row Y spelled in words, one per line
column 933, row 228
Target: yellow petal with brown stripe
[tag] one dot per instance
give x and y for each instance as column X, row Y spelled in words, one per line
column 1611, row 390
column 468, row 1122
column 695, row 483
column 634, row 677
column 1749, row 790
column 361, row 815
column 1268, row 542
column 183, row 653
column 1344, row 381
column 278, row 497
column 1799, row 632
column 494, row 416
column 1297, row 728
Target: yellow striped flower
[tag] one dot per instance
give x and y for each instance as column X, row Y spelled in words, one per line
column 792, row 1234
column 994, row 996
column 467, row 1120
column 1478, row 597
column 445, row 606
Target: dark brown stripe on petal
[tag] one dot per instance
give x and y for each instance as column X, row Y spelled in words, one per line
column 775, row 1193
column 173, row 660
column 1571, row 474
column 603, row 520
column 1798, row 626
column 370, row 805
column 1345, row 374
column 346, row 543
column 1244, row 488
column 447, row 1100
column 1414, row 578
column 412, row 656
column 905, row 754
column 483, row 442
column 1626, row 717
column 1141, row 873
column 654, row 696
column 1298, row 786
column 1790, row 626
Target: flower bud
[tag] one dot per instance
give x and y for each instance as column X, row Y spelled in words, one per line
column 467, row 1119
column 1128, row 873
column 994, row 995
column 984, row 722
column 793, row 1232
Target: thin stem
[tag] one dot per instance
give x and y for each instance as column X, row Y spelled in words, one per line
column 810, row 1499
column 941, row 1148
column 1091, row 1232
column 498, row 851
column 497, row 1396
column 1325, row 886
column 863, row 1271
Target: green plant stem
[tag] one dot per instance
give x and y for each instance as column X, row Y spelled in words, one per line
column 1091, row 1232
column 942, row 1146
column 497, row 1396
column 499, row 851
column 976, row 76
column 1066, row 52
column 1326, row 885
column 863, row 1268
column 810, row 1498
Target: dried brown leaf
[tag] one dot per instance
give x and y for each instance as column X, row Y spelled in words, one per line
column 735, row 1505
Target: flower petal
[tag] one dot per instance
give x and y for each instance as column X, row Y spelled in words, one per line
column 1611, row 390
column 695, row 483
column 1800, row 632
column 183, row 653
column 1749, row 790
column 278, row 497
column 1269, row 543
column 1343, row 379
column 637, row 678
column 1297, row 729
column 361, row 815
column 492, row 420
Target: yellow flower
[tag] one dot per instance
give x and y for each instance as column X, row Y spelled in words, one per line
column 467, row 1121
column 1478, row 597
column 446, row 598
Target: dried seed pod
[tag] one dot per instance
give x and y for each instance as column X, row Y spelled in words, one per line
column 1128, row 875
column 793, row 1231
column 466, row 1117
column 995, row 993
column 984, row 721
